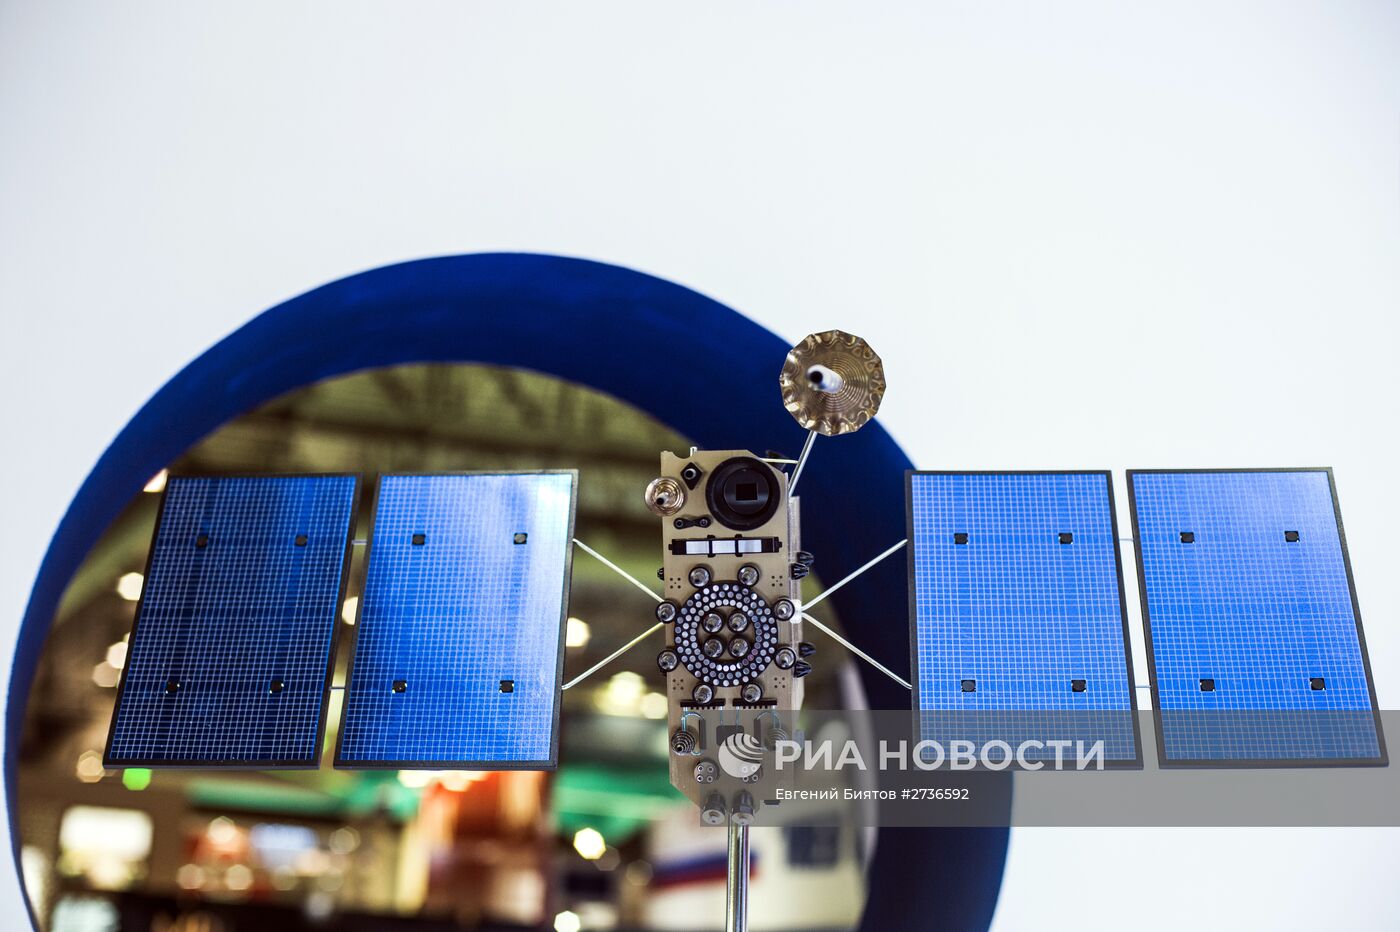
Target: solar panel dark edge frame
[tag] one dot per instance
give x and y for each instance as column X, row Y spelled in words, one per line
column 1255, row 763
column 332, row 652
column 1136, row 763
column 553, row 762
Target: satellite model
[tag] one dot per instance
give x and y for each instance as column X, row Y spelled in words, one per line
column 732, row 570
column 1017, row 604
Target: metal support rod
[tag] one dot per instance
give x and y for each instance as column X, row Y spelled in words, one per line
column 611, row 657
column 850, row 576
column 616, row 569
column 802, row 460
column 736, row 892
column 858, row 652
column 630, row 644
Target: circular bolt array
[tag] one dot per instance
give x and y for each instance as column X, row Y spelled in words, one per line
column 749, row 575
column 668, row 660
column 706, row 772
column 693, row 624
column 783, row 609
column 699, row 576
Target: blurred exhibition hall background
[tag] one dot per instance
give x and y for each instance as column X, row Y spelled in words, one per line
column 1081, row 234
column 603, row 843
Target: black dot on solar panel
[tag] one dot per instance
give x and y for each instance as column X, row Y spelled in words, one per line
column 1078, row 685
column 202, row 541
column 507, row 686
column 959, row 538
column 300, row 540
column 1291, row 536
column 969, row 686
column 399, row 686
column 420, row 539
column 276, row 686
column 1207, row 685
column 1188, row 537
column 1318, row 682
column 521, row 537
column 1066, row 537
column 172, row 686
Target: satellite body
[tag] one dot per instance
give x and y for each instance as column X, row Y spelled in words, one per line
column 734, row 657
column 732, row 570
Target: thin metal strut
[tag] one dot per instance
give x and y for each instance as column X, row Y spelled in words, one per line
column 630, row 644
column 736, row 892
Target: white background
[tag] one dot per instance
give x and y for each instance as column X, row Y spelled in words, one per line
column 1081, row 235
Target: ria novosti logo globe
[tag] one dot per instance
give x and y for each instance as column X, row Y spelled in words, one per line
column 740, row 755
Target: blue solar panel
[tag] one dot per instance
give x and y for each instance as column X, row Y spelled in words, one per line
column 230, row 654
column 460, row 640
column 1254, row 638
column 1019, row 625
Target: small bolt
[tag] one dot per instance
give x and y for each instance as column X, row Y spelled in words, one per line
column 713, row 811
column 743, row 810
